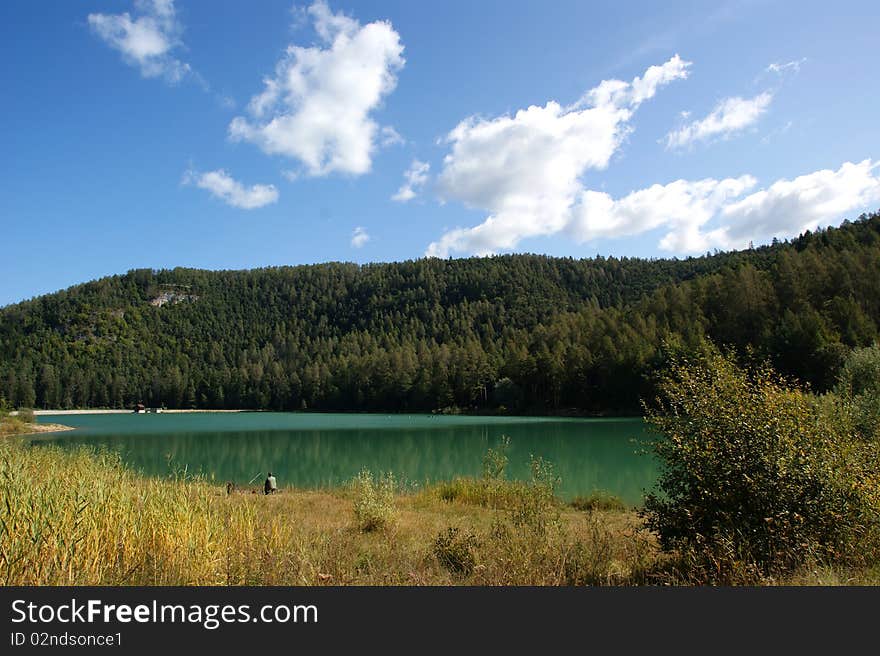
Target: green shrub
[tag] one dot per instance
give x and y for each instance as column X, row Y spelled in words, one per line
column 598, row 501
column 858, row 387
column 455, row 550
column 449, row 491
column 861, row 371
column 374, row 500
column 755, row 479
column 26, row 415
column 498, row 495
column 534, row 506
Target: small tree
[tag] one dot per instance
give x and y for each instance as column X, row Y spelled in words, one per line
column 753, row 476
column 495, row 460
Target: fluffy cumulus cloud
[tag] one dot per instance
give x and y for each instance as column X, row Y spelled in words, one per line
column 525, row 169
column 317, row 107
column 682, row 206
column 359, row 237
column 146, row 40
column 730, row 116
column 784, row 209
column 789, row 207
column 232, row 192
column 414, row 178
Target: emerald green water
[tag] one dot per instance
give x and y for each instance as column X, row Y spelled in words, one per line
column 324, row 450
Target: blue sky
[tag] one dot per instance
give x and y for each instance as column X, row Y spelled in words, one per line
column 229, row 135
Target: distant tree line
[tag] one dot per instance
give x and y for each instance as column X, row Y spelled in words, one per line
column 530, row 333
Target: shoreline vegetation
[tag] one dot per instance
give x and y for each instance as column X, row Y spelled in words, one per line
column 764, row 483
column 34, row 429
column 98, row 523
column 21, row 423
column 445, row 411
column 121, row 411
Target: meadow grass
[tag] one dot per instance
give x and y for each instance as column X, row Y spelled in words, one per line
column 598, row 500
column 82, row 518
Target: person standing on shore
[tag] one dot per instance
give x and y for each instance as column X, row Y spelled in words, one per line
column 271, row 485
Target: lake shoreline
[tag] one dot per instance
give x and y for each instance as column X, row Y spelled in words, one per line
column 36, row 429
column 327, row 450
column 116, row 411
column 438, row 413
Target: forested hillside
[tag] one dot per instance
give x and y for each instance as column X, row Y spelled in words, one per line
column 530, row 333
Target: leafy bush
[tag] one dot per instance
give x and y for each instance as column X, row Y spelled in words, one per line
column 858, row 386
column 374, row 500
column 861, row 371
column 756, row 479
column 455, row 550
column 26, row 415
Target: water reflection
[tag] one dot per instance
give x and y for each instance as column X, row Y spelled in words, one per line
column 588, row 454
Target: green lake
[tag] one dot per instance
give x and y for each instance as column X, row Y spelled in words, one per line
column 324, row 450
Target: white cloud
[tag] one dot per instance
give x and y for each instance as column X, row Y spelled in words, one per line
column 781, row 68
column 391, row 137
column 681, row 206
column 317, row 107
column 359, row 237
column 729, row 116
column 231, row 191
column 147, row 40
column 525, row 169
column 789, row 207
column 415, row 178
column 784, row 209
column 705, row 214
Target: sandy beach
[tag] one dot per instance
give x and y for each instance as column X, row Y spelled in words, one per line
column 33, row 429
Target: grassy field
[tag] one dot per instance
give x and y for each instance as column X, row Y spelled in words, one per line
column 82, row 518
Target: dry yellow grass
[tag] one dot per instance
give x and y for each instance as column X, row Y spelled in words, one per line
column 11, row 426
column 80, row 518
